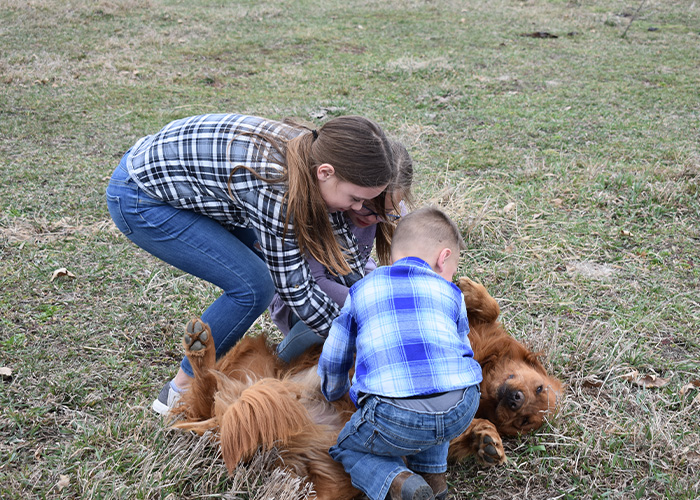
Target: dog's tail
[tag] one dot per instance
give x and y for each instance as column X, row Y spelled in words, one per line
column 268, row 412
column 199, row 426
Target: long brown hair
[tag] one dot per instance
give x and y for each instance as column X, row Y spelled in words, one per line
column 360, row 154
column 399, row 188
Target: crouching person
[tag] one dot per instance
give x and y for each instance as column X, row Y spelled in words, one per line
column 416, row 383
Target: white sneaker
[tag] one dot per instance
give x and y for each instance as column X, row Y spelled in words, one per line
column 167, row 399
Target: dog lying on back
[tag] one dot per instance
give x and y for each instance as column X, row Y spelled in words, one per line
column 253, row 399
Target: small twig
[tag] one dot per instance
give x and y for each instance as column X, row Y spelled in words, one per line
column 634, row 16
column 99, row 349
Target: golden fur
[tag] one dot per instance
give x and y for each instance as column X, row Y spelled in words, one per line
column 255, row 400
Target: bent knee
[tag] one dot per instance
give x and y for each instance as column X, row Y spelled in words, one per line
column 256, row 295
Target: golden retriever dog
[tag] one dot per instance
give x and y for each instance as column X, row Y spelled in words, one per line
column 253, row 400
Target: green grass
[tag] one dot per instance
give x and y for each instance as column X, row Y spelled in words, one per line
column 571, row 164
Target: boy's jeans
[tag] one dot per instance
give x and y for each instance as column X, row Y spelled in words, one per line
column 379, row 434
column 199, row 246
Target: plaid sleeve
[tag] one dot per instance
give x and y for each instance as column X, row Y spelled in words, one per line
column 338, row 354
column 289, row 269
column 463, row 323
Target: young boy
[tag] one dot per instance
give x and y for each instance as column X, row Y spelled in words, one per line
column 416, row 383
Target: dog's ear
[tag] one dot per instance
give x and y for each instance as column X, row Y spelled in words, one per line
column 533, row 359
column 489, row 362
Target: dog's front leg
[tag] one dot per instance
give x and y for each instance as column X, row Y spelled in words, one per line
column 482, row 440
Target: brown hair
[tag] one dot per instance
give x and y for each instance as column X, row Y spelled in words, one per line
column 401, row 186
column 360, row 154
column 428, row 226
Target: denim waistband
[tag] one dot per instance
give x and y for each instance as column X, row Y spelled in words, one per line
column 426, row 396
column 121, row 173
column 122, row 162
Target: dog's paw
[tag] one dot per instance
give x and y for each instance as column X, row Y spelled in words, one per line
column 481, row 307
column 197, row 339
column 467, row 286
column 474, row 293
column 491, row 450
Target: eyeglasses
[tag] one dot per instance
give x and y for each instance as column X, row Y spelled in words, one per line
column 366, row 211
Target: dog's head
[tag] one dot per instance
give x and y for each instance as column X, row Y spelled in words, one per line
column 521, row 395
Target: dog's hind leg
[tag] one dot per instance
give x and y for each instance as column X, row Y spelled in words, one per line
column 200, row 350
column 199, row 346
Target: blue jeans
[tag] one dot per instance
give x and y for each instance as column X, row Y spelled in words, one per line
column 199, row 246
column 298, row 340
column 379, row 434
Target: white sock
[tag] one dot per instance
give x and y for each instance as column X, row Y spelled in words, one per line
column 175, row 387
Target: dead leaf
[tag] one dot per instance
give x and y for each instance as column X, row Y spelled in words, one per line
column 690, row 386
column 62, row 272
column 652, row 381
column 648, row 381
column 5, row 371
column 592, row 381
column 558, row 202
column 510, row 206
column 63, row 482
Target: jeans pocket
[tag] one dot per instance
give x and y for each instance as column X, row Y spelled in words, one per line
column 379, row 444
column 115, row 210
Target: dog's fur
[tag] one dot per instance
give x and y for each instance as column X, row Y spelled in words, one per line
column 255, row 400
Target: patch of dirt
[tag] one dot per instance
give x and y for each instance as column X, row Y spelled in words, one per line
column 45, row 232
column 590, row 270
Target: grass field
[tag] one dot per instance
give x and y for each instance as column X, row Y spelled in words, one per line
column 562, row 135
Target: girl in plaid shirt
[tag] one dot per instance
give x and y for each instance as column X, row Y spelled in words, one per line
column 239, row 200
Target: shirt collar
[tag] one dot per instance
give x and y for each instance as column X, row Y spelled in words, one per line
column 413, row 261
column 418, row 262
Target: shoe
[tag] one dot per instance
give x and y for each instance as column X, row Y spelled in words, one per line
column 438, row 483
column 409, row 486
column 167, row 399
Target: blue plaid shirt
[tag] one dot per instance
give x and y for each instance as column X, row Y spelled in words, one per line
column 188, row 163
column 409, row 328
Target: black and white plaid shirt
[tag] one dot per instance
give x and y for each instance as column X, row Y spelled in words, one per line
column 188, row 163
